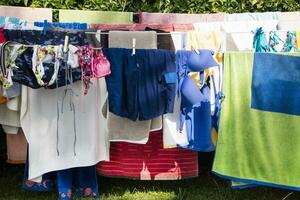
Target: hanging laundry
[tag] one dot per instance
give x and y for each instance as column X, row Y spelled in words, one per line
column 238, row 35
column 215, row 41
column 2, row 37
column 172, row 136
column 12, row 23
column 141, row 87
column 92, row 65
column 263, row 16
column 149, row 161
column 164, row 40
column 175, row 18
column 283, row 42
column 16, row 147
column 2, row 98
column 51, row 72
column 74, row 26
column 46, row 184
column 298, row 39
column 124, row 39
column 9, row 115
column 29, row 14
column 65, row 112
column 260, row 43
column 95, row 17
column 70, row 183
column 121, row 128
column 289, row 21
column 195, row 115
column 206, row 40
column 30, row 110
column 142, row 27
column 261, row 154
column 40, row 38
column 9, row 112
column 275, row 41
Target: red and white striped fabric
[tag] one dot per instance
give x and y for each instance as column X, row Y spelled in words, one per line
column 149, row 161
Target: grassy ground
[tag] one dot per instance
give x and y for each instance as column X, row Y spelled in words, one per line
column 206, row 187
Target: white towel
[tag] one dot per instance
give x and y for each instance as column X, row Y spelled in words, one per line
column 29, row 14
column 289, row 21
column 239, row 34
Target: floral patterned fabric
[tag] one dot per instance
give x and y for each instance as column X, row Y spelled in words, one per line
column 278, row 41
column 284, row 42
column 70, row 183
column 24, row 74
column 77, row 182
column 92, row 64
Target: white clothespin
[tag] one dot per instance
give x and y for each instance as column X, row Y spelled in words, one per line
column 133, row 46
column 98, row 35
column 66, row 44
column 196, row 50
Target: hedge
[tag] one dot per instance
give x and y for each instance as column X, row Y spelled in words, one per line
column 175, row 6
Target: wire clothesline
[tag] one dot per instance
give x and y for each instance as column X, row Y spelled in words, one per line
column 106, row 31
column 178, row 32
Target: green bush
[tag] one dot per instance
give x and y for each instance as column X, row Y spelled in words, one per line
column 176, row 6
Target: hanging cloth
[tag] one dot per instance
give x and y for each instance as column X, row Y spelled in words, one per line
column 260, row 43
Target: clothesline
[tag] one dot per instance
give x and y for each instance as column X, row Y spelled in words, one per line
column 177, row 32
column 106, row 33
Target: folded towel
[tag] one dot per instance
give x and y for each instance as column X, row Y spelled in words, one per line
column 175, row 18
column 28, row 14
column 95, row 17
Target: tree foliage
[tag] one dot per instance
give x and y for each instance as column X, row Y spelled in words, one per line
column 175, row 6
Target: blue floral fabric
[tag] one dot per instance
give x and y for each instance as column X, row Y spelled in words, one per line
column 70, row 183
column 24, row 74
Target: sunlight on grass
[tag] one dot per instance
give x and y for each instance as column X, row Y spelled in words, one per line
column 141, row 195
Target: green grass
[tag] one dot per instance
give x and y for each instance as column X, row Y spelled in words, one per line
column 205, row 187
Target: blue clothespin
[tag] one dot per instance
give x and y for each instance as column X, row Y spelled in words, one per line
column 45, row 27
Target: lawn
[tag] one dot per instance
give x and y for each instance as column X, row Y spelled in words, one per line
column 205, row 187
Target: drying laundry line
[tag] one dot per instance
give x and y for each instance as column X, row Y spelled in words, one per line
column 106, row 33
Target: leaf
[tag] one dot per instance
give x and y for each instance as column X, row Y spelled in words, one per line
column 179, row 6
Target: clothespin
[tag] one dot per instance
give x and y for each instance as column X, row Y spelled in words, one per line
column 45, row 27
column 98, row 35
column 133, row 46
column 66, row 44
column 196, row 50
